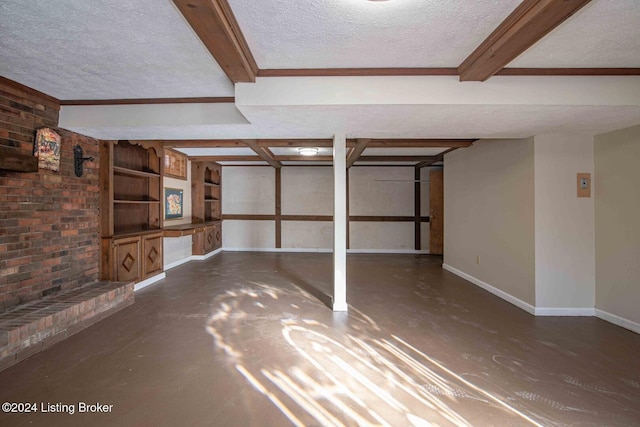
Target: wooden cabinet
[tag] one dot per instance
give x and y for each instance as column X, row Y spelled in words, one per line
column 206, row 206
column 124, row 259
column 206, row 197
column 131, row 210
column 206, row 239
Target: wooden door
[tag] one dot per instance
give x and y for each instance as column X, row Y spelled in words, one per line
column 436, row 212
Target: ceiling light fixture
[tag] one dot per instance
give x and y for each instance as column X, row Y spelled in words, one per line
column 308, row 151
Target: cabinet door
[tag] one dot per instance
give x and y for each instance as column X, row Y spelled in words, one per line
column 209, row 239
column 198, row 240
column 126, row 254
column 153, row 257
column 217, row 236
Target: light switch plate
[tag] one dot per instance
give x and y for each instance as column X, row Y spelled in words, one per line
column 584, row 185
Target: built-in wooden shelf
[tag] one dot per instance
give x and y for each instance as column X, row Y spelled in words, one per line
column 144, row 202
column 206, row 212
column 133, row 172
column 131, row 224
column 186, row 229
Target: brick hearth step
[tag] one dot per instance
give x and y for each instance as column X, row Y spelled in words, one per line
column 28, row 329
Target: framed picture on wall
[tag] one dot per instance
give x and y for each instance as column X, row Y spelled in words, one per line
column 175, row 164
column 173, row 199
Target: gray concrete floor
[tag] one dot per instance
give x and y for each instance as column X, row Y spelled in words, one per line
column 247, row 340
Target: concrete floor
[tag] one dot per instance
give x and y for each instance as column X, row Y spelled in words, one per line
column 247, row 340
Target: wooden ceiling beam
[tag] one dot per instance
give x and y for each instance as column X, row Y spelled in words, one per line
column 395, row 158
column 527, row 24
column 295, row 143
column 356, row 152
column 226, row 158
column 304, row 158
column 355, row 72
column 151, row 101
column 436, row 159
column 202, row 143
column 214, row 23
column 264, row 153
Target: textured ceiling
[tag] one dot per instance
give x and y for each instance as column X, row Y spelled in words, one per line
column 107, row 49
column 110, row 49
column 359, row 33
column 605, row 33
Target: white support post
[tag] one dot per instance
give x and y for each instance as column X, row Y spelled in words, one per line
column 339, row 222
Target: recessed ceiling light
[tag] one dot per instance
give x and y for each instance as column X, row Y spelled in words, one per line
column 308, row 151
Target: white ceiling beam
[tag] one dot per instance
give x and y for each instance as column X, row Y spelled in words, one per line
column 438, row 90
column 122, row 116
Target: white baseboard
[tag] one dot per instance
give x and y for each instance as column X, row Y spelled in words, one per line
column 386, row 251
column 324, row 250
column 565, row 311
column 497, row 292
column 617, row 320
column 207, row 256
column 177, row 263
column 191, row 258
column 149, row 281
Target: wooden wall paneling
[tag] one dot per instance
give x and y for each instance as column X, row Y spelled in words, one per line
column 197, row 192
column 348, row 221
column 416, row 206
column 106, row 190
column 278, row 216
column 436, row 215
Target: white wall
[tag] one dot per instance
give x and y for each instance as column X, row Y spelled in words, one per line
column 307, row 191
column 307, row 234
column 617, row 226
column 248, row 190
column 374, row 191
column 381, row 191
column 248, row 234
column 176, row 249
column 379, row 236
column 489, row 215
column 564, row 223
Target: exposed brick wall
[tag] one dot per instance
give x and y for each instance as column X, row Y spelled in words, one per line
column 49, row 221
